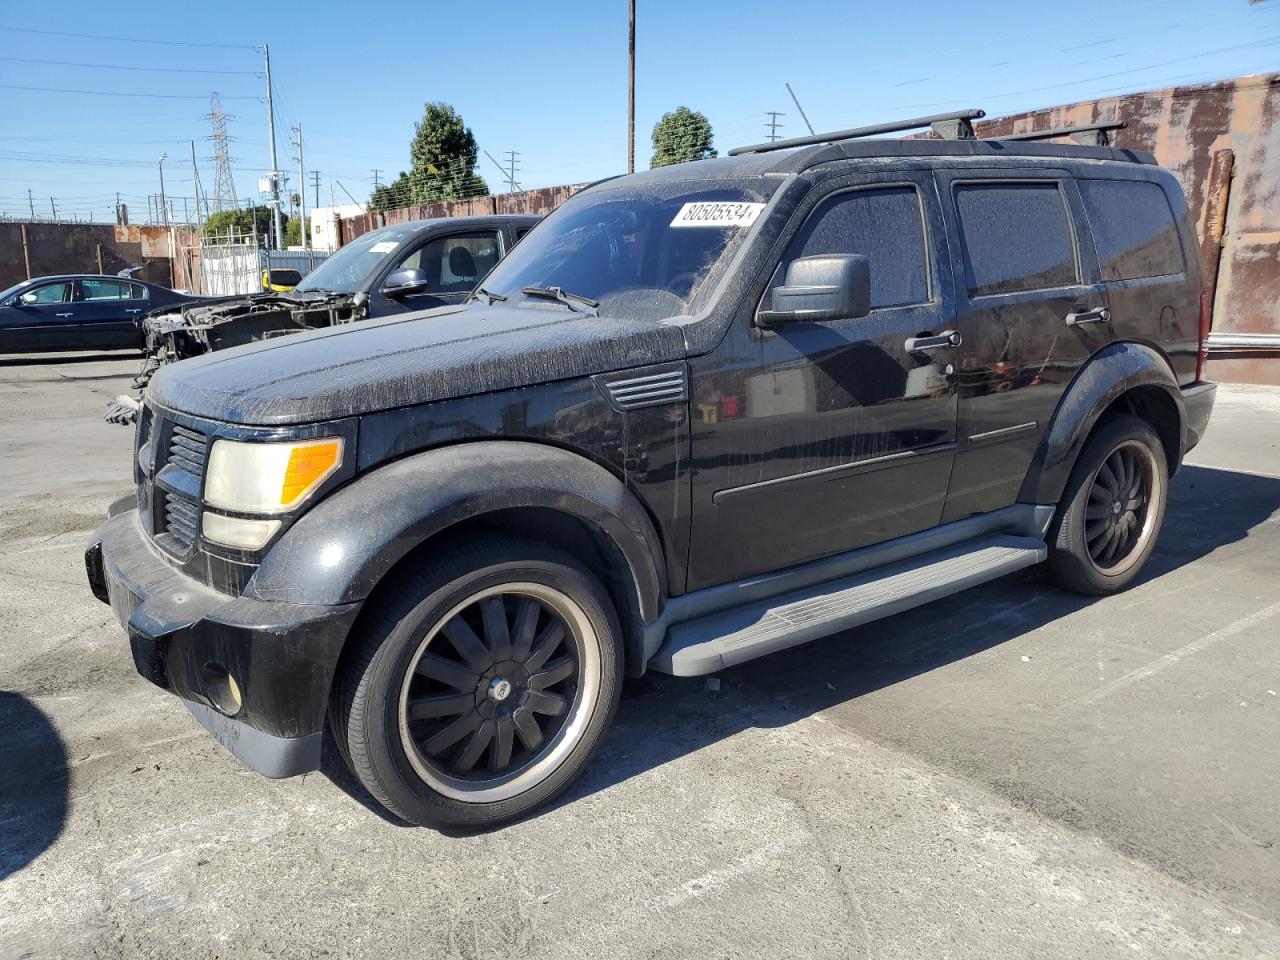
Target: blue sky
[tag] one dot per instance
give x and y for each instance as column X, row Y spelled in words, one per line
column 546, row 79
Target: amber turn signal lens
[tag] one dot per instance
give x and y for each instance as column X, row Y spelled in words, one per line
column 309, row 465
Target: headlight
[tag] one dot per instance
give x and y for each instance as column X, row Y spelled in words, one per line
column 268, row 477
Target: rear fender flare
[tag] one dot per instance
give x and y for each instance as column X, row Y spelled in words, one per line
column 1108, row 375
column 339, row 550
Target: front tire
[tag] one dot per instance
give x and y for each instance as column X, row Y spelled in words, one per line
column 481, row 684
column 1111, row 512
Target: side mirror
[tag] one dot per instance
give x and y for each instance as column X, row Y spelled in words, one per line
column 405, row 281
column 828, row 287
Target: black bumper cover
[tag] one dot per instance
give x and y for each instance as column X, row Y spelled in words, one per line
column 183, row 635
column 1198, row 401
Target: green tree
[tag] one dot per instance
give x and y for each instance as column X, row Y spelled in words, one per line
column 681, row 135
column 293, row 232
column 442, row 155
column 220, row 224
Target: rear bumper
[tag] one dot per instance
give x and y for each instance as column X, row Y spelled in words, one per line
column 188, row 639
column 1198, row 402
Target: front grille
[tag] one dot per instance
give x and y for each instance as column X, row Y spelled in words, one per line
column 181, row 519
column 188, row 450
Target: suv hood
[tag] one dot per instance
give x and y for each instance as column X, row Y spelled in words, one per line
column 399, row 361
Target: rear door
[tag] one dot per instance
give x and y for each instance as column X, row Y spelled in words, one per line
column 1025, row 276
column 107, row 312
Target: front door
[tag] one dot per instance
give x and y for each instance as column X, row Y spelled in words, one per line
column 43, row 313
column 1026, row 268
column 818, row 438
column 454, row 264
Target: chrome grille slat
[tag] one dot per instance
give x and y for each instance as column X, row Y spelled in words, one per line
column 188, row 450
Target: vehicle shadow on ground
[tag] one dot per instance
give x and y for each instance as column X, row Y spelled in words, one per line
column 45, row 359
column 663, row 718
column 33, row 783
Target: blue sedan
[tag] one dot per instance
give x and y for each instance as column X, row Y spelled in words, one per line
column 80, row 312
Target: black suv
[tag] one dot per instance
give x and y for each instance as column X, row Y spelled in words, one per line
column 700, row 414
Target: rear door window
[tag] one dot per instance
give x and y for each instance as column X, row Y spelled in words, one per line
column 1134, row 230
column 1017, row 237
column 104, row 290
column 885, row 226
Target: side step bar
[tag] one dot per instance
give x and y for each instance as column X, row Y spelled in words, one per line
column 735, row 636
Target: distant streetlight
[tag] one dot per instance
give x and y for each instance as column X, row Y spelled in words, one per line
column 163, row 205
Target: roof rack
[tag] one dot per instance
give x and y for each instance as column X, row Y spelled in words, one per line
column 1090, row 134
column 948, row 126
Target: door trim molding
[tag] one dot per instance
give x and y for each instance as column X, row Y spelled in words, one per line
column 853, row 469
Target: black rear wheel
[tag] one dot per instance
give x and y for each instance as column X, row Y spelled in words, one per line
column 481, row 686
column 1111, row 512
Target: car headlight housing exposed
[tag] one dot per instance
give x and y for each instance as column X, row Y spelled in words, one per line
column 263, row 478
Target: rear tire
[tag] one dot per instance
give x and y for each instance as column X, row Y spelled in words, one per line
column 1111, row 512
column 480, row 686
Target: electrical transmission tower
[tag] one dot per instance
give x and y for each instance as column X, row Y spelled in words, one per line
column 224, row 184
column 773, row 124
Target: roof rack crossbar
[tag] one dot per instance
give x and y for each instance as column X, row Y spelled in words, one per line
column 1091, row 134
column 951, row 126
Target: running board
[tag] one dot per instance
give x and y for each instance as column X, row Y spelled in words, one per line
column 735, row 636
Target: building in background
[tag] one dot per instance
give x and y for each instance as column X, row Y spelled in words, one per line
column 325, row 225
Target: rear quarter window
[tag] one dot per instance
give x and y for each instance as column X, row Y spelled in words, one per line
column 1017, row 237
column 1134, row 230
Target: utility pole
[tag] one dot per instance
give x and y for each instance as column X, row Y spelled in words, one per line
column 796, row 101
column 773, row 124
column 54, row 209
column 376, row 172
column 315, row 181
column 631, row 87
column 275, row 171
column 163, row 204
column 511, row 177
column 195, row 182
column 302, row 191
column 31, row 203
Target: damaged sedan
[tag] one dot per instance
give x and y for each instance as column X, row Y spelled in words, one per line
column 407, row 266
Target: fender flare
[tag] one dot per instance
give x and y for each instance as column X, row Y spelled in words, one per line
column 1107, row 375
column 342, row 547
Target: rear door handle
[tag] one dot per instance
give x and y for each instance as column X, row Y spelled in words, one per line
column 1096, row 315
column 947, row 338
column 64, row 314
column 134, row 310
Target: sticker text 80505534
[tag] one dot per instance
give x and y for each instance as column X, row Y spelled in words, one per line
column 717, row 214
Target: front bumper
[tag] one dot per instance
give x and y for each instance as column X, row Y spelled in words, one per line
column 188, row 639
column 1198, row 401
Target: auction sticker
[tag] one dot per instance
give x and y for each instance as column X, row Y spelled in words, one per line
column 717, row 214
column 384, row 246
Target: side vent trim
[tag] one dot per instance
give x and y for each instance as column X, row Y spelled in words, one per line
column 647, row 390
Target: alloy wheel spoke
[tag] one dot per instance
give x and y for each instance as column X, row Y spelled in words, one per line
column 465, row 724
column 471, row 647
column 1097, row 512
column 500, row 757
column 475, row 747
column 545, row 646
column 526, row 624
column 559, row 669
column 441, row 705
column 527, row 728
column 1107, row 477
column 446, row 671
column 496, row 632
column 1098, row 550
column 1098, row 492
column 1097, row 528
column 539, row 701
column 1135, row 503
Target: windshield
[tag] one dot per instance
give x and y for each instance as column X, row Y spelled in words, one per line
column 349, row 266
column 6, row 294
column 644, row 252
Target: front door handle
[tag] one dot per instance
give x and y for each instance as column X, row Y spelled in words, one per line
column 64, row 314
column 947, row 338
column 1096, row 315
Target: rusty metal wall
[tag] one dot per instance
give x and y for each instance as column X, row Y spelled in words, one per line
column 540, row 201
column 1216, row 138
column 52, row 248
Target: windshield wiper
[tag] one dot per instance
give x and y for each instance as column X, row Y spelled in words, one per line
column 490, row 298
column 570, row 300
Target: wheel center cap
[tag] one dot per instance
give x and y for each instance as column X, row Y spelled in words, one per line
column 499, row 689
column 1116, row 507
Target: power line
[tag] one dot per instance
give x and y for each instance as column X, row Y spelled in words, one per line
column 169, row 43
column 116, row 93
column 116, row 66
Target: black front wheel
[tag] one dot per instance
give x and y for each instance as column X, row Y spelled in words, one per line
column 481, row 686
